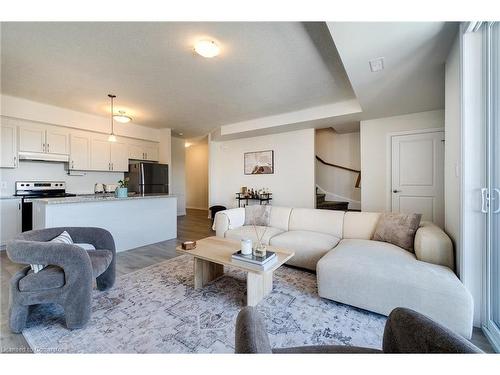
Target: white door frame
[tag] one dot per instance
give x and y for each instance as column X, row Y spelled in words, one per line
column 388, row 163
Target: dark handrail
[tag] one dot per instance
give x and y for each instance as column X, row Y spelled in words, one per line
column 358, row 181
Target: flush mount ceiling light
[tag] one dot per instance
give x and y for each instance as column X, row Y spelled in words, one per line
column 206, row 48
column 122, row 117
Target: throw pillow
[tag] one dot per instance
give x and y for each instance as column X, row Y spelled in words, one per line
column 398, row 229
column 64, row 237
column 257, row 215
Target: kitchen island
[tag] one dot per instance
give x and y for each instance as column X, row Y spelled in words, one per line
column 134, row 221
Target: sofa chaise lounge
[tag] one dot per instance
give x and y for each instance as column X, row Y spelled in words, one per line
column 355, row 270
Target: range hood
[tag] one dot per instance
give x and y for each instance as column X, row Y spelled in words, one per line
column 42, row 156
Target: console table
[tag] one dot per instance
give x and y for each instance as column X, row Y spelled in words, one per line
column 265, row 198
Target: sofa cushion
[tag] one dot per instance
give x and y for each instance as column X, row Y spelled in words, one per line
column 379, row 277
column 308, row 246
column 248, row 231
column 324, row 221
column 360, row 225
column 398, row 229
column 50, row 277
column 257, row 215
column 280, row 217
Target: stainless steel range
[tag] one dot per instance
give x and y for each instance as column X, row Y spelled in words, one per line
column 30, row 190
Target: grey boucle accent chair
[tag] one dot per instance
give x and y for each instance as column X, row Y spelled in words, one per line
column 67, row 280
column 406, row 331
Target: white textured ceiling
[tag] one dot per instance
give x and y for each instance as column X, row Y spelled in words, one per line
column 264, row 69
column 414, row 58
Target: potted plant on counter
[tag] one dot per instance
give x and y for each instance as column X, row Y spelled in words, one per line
column 122, row 189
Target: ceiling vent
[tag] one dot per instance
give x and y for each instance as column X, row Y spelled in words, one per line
column 376, row 65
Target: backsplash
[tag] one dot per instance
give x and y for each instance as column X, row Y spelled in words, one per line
column 47, row 171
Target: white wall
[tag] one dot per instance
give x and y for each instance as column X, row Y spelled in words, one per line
column 197, row 175
column 374, row 153
column 453, row 147
column 340, row 149
column 292, row 183
column 178, row 172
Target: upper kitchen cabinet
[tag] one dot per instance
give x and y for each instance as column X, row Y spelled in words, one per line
column 135, row 150
column 143, row 150
column 43, row 142
column 32, row 138
column 152, row 151
column 79, row 158
column 100, row 153
column 9, row 147
column 57, row 140
column 119, row 156
column 108, row 156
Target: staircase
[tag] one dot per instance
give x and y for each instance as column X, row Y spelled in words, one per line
column 323, row 204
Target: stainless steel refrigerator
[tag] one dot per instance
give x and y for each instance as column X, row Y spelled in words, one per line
column 148, row 178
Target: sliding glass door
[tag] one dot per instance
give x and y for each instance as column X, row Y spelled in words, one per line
column 492, row 279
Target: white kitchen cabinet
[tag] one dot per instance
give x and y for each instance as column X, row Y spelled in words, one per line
column 119, row 156
column 135, row 151
column 108, row 156
column 8, row 157
column 100, row 153
column 152, row 151
column 143, row 150
column 57, row 140
column 43, row 139
column 79, row 158
column 10, row 213
column 32, row 138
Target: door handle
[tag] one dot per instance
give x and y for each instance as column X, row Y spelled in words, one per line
column 484, row 200
column 396, row 191
column 496, row 190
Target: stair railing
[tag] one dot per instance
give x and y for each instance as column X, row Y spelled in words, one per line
column 358, row 180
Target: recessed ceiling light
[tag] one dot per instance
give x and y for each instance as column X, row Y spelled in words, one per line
column 377, row 64
column 122, row 117
column 181, row 133
column 206, row 48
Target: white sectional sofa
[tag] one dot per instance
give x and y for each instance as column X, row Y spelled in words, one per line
column 353, row 269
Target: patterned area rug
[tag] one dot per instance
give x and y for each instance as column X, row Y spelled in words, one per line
column 156, row 310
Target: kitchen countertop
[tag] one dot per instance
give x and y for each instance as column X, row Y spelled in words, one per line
column 90, row 198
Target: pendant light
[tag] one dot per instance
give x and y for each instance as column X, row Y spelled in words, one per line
column 112, row 137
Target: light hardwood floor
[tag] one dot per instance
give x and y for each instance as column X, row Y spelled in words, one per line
column 195, row 225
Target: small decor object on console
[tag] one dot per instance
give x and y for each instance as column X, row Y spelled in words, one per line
column 189, row 245
column 259, row 162
column 122, row 190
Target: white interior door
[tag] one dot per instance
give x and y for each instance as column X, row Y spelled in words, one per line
column 418, row 175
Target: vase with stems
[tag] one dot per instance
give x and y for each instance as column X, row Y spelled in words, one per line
column 260, row 248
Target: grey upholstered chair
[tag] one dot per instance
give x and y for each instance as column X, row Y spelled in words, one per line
column 69, row 278
column 406, row 331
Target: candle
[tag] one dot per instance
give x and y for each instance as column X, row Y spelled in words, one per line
column 246, row 246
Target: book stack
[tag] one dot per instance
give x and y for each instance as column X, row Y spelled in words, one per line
column 260, row 263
